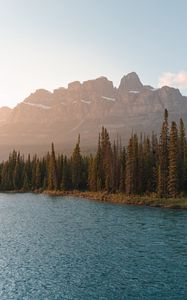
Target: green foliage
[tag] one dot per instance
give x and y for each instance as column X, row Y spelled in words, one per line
column 145, row 166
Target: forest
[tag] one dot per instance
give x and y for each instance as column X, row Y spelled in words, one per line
column 148, row 164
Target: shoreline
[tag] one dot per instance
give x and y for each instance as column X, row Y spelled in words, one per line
column 119, row 198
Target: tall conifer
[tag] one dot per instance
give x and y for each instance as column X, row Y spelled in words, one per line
column 52, row 171
column 163, row 158
column 129, row 182
column 76, row 160
column 181, row 156
column 173, row 155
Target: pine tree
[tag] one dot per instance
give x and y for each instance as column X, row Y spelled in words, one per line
column 27, row 174
column 172, row 179
column 76, row 162
column 181, row 149
column 148, row 173
column 66, row 182
column 135, row 164
column 155, row 160
column 11, row 167
column 33, row 168
column 99, row 167
column 163, row 158
column 38, row 178
column 185, row 167
column 84, row 172
column 106, row 155
column 92, row 174
column 122, row 174
column 114, row 168
column 59, row 164
column 17, row 174
column 52, row 170
column 5, row 184
column 129, row 183
column 116, row 156
column 26, row 185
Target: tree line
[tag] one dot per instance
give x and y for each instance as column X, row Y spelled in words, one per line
column 148, row 164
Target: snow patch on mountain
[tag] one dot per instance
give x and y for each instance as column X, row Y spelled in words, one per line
column 153, row 90
column 134, row 92
column 85, row 101
column 108, row 98
column 37, row 105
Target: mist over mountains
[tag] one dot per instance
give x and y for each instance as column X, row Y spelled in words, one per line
column 84, row 108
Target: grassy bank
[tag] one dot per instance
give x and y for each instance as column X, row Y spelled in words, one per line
column 153, row 201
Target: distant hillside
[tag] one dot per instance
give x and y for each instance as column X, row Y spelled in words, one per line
column 83, row 108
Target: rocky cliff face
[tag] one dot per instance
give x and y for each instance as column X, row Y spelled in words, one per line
column 130, row 82
column 83, row 108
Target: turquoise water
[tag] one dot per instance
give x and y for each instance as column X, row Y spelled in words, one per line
column 68, row 248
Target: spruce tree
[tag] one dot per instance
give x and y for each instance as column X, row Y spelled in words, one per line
column 38, row 176
column 66, row 182
column 27, row 174
column 5, row 183
column 17, row 174
column 99, row 167
column 26, row 185
column 173, row 154
column 129, row 182
column 92, row 174
column 76, row 163
column 122, row 164
column 155, row 160
column 135, row 164
column 185, row 168
column 106, row 154
column 147, row 165
column 163, row 158
column 181, row 156
column 116, row 157
column 52, row 170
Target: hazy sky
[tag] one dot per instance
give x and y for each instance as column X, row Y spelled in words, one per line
column 48, row 43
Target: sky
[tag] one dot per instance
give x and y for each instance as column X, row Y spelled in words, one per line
column 49, row 43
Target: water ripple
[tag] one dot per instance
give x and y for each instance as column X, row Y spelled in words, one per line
column 68, row 248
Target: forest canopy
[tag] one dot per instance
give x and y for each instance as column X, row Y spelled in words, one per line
column 147, row 164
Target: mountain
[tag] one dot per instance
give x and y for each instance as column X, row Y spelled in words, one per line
column 59, row 116
column 4, row 114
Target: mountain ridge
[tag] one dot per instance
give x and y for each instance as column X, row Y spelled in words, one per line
column 84, row 108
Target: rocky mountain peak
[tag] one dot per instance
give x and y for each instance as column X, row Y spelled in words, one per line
column 130, row 82
column 74, row 85
column 84, row 108
column 39, row 96
column 98, row 86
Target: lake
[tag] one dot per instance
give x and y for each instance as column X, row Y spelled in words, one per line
column 71, row 248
